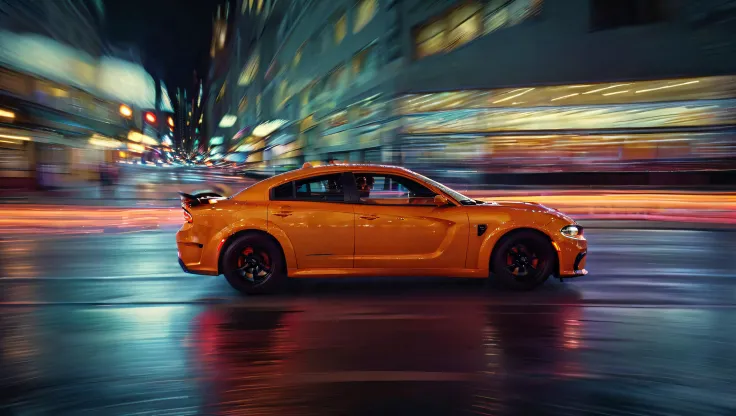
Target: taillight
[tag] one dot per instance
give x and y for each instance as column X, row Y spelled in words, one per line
column 188, row 217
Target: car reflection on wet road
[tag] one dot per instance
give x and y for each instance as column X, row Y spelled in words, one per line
column 108, row 325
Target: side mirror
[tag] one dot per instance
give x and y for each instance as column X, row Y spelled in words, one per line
column 440, row 200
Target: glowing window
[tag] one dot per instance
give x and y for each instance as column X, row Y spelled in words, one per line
column 502, row 13
column 298, row 56
column 341, row 28
column 222, row 92
column 465, row 25
column 364, row 13
column 243, row 105
column 431, row 39
column 250, row 69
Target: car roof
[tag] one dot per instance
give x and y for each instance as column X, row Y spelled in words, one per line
column 308, row 170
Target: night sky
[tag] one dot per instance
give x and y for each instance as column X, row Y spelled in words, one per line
column 173, row 36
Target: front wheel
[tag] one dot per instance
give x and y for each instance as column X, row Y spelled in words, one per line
column 253, row 264
column 523, row 260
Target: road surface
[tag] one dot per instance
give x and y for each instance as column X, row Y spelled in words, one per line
column 109, row 325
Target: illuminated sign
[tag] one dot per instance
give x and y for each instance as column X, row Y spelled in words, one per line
column 138, row 148
column 134, row 136
column 269, row 127
column 7, row 114
column 228, row 120
column 101, row 141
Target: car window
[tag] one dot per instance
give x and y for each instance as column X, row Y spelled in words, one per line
column 391, row 189
column 283, row 192
column 320, row 188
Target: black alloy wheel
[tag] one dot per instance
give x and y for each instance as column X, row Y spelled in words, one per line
column 253, row 264
column 523, row 260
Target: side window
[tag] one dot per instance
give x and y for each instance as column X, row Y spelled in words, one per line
column 390, row 189
column 283, row 192
column 320, row 188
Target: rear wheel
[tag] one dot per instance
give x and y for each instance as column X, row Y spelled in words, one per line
column 253, row 264
column 523, row 260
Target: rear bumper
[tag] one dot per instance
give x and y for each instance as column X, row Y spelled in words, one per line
column 190, row 271
column 193, row 255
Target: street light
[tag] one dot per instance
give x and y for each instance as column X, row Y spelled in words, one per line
column 150, row 117
column 125, row 111
column 171, row 122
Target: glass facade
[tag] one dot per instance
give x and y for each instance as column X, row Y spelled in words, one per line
column 646, row 125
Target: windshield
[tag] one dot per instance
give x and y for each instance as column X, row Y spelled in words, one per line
column 454, row 194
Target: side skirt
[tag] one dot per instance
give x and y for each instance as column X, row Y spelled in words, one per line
column 389, row 272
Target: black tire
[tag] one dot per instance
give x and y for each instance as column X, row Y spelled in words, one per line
column 523, row 260
column 237, row 260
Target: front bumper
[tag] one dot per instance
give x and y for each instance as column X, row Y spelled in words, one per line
column 572, row 254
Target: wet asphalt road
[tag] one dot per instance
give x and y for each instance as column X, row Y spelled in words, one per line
column 109, row 325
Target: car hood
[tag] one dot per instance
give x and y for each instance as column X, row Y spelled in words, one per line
column 527, row 206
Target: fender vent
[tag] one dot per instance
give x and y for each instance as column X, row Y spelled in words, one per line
column 482, row 229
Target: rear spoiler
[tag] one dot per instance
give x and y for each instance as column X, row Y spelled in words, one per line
column 200, row 198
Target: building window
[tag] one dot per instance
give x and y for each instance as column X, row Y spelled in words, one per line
column 609, row 15
column 250, row 69
column 327, row 40
column 341, row 28
column 222, row 92
column 298, row 55
column 464, row 25
column 305, row 97
column 364, row 13
column 431, row 39
column 282, row 95
column 503, row 13
column 243, row 104
column 364, row 65
column 337, row 80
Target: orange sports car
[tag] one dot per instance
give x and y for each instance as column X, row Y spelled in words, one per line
column 371, row 220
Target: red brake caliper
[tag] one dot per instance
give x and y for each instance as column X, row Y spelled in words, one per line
column 248, row 251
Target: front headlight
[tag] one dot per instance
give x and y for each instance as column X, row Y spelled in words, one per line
column 572, row 231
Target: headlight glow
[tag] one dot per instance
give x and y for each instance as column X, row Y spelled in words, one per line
column 572, row 231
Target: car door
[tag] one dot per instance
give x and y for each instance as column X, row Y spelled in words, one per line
column 397, row 225
column 314, row 215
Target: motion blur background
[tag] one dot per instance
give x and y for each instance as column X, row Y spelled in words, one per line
column 486, row 95
column 622, row 113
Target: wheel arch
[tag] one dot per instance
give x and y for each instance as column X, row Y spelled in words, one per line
column 511, row 232
column 233, row 237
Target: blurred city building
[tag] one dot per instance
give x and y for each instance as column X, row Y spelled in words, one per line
column 69, row 101
column 477, row 91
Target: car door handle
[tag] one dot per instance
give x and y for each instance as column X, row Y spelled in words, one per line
column 282, row 214
column 369, row 217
